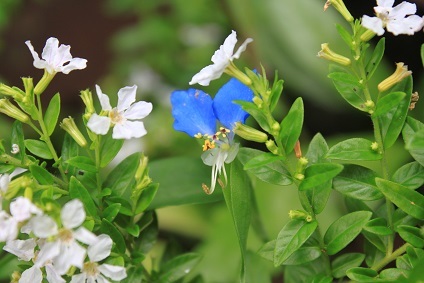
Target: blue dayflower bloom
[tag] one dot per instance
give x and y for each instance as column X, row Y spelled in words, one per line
column 197, row 115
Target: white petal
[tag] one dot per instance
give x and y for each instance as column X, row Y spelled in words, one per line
column 31, row 275
column 126, row 97
column 4, row 182
column 74, row 64
column 373, row 23
column 85, row 236
column 99, row 124
column 22, row 209
column 385, row 3
column 242, row 48
column 138, row 110
column 79, row 278
column 128, row 130
column 47, row 252
column 104, row 99
column 101, row 249
column 38, row 63
column 72, row 214
column 408, row 25
column 403, row 9
column 70, row 255
column 226, row 50
column 8, row 227
column 207, row 74
column 114, row 272
column 43, row 226
column 52, row 275
column 23, row 249
column 100, row 279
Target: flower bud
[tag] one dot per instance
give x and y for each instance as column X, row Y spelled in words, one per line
column 44, row 82
column 14, row 92
column 12, row 111
column 249, row 133
column 330, row 55
column 271, row 146
column 374, row 146
column 298, row 214
column 400, row 73
column 87, row 98
column 68, row 124
column 367, row 35
column 340, row 6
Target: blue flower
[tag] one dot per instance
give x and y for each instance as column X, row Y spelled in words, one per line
column 198, row 115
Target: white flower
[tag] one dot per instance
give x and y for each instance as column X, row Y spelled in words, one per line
column 8, row 227
column 92, row 271
column 221, row 59
column 54, row 58
column 64, row 251
column 124, row 117
column 23, row 249
column 35, row 275
column 4, row 182
column 22, row 209
column 397, row 20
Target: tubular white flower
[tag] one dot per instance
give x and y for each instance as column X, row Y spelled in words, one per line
column 55, row 58
column 397, row 20
column 221, row 59
column 124, row 118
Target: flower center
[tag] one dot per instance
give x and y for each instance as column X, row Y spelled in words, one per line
column 116, row 117
column 66, row 236
column 90, row 268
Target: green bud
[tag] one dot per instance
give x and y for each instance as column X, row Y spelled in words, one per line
column 340, row 6
column 271, row 146
column 234, row 72
column 68, row 124
column 12, row 111
column 44, row 82
column 87, row 98
column 400, row 73
column 14, row 92
column 249, row 133
column 258, row 101
column 298, row 214
column 330, row 55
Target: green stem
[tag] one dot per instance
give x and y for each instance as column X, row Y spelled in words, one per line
column 97, row 157
column 389, row 258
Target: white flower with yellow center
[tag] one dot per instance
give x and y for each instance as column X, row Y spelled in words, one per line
column 124, row 118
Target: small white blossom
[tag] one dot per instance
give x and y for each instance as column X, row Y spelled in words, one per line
column 23, row 249
column 124, row 117
column 397, row 20
column 92, row 271
column 64, row 251
column 22, row 209
column 221, row 59
column 55, row 58
column 8, row 227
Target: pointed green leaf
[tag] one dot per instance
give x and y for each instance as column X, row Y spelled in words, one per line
column 362, row 274
column 319, row 173
column 109, row 149
column 412, row 235
column 357, row 182
column 111, row 211
column 273, row 173
column 78, row 191
column 353, row 149
column 387, row 102
column 277, row 88
column 293, row 235
column 38, row 148
column 344, row 230
column 375, row 59
column 291, row 126
column 303, row 255
column 408, row 200
column 345, row 35
column 178, row 267
column 83, row 163
column 415, row 146
column 237, row 197
column 111, row 230
column 349, row 88
column 146, row 198
column 18, row 139
column 378, row 226
column 261, row 160
column 52, row 114
column 256, row 113
column 410, row 175
column 267, row 250
column 344, row 262
column 42, row 176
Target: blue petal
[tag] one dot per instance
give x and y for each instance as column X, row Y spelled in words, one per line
column 227, row 111
column 192, row 111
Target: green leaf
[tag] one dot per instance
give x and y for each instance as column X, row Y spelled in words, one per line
column 376, row 241
column 83, row 163
column 52, row 114
column 394, row 274
column 342, row 263
column 237, row 197
column 353, row 149
column 303, row 255
column 375, row 59
column 378, row 226
column 357, row 182
column 411, row 235
column 267, row 250
column 318, row 196
column 392, row 121
column 293, row 235
column 146, row 198
column 362, row 274
column 17, row 138
column 415, row 146
column 277, row 88
column 180, row 180
column 410, row 175
column 344, row 230
column 411, row 127
column 111, row 211
column 422, row 54
column 69, row 149
column 349, row 88
column 109, row 149
column 387, row 102
column 261, row 160
column 273, row 173
column 291, row 126
column 345, row 35
column 77, row 190
column 408, row 200
column 178, row 267
column 256, row 113
column 42, row 176
column 122, row 176
column 111, row 230
column 319, row 173
column 38, row 148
